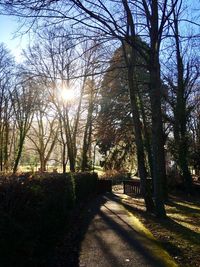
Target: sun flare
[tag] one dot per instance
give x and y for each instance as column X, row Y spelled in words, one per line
column 67, row 95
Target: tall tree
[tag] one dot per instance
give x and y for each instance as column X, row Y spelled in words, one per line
column 194, row 126
column 182, row 83
column 126, row 84
column 90, row 93
column 156, row 17
column 23, row 99
column 120, row 20
column 6, row 78
column 44, row 131
column 114, row 119
column 53, row 63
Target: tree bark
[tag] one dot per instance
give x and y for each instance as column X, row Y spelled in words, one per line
column 19, row 152
column 159, row 172
column 88, row 129
column 138, row 134
column 147, row 138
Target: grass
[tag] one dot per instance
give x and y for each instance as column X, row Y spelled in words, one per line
column 50, row 168
column 179, row 234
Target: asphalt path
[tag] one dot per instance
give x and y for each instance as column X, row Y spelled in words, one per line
column 113, row 240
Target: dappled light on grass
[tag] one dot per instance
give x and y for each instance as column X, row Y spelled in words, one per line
column 179, row 233
column 186, row 214
column 189, row 205
column 186, row 221
column 136, row 203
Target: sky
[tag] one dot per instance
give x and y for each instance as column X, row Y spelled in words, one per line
column 8, row 28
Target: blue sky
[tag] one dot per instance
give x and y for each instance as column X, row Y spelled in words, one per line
column 9, row 26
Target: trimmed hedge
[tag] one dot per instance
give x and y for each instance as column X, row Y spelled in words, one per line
column 35, row 212
column 84, row 185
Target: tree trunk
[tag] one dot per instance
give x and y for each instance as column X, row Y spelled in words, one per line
column 183, row 163
column 71, row 155
column 88, row 131
column 84, row 162
column 72, row 164
column 159, row 171
column 147, row 142
column 1, row 150
column 42, row 162
column 71, row 149
column 19, row 152
column 6, row 146
column 64, row 161
column 181, row 142
column 138, row 134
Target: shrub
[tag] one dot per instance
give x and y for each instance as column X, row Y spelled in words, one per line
column 35, row 212
column 85, row 185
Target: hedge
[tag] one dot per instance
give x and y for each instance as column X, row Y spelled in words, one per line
column 35, row 213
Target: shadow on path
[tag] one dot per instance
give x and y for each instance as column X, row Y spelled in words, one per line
column 112, row 241
column 67, row 254
column 103, row 235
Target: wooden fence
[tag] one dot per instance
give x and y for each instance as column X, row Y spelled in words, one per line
column 133, row 186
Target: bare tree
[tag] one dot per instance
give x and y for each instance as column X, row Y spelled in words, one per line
column 194, row 127
column 120, row 20
column 55, row 63
column 52, row 62
column 23, row 99
column 98, row 17
column 87, row 138
column 6, row 78
column 44, row 131
column 154, row 25
column 181, row 83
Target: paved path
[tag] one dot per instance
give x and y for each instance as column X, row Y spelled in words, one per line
column 114, row 239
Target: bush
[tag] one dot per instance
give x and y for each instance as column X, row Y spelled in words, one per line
column 35, row 212
column 85, row 185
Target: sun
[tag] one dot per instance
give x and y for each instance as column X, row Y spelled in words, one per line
column 67, row 94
